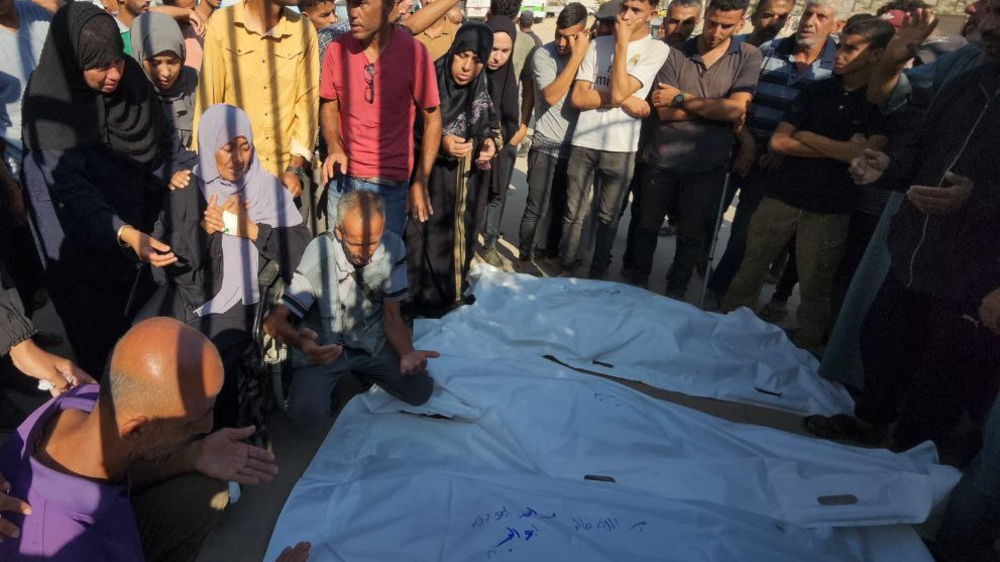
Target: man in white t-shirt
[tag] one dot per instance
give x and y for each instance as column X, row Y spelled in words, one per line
column 610, row 91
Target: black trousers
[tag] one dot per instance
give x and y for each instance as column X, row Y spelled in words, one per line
column 927, row 361
column 546, row 204
column 695, row 196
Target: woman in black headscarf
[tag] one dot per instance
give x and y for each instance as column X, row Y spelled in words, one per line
column 503, row 92
column 439, row 251
column 98, row 159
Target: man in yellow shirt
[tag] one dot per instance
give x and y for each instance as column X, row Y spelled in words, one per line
column 263, row 58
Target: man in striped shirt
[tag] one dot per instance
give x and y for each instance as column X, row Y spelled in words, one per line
column 790, row 64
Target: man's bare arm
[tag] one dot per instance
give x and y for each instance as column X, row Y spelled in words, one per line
column 584, row 96
column 423, row 18
column 555, row 90
column 782, row 142
column 902, row 47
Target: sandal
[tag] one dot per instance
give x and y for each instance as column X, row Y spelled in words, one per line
column 843, row 427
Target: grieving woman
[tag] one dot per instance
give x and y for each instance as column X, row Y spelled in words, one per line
column 222, row 228
column 440, row 250
column 158, row 45
column 503, row 92
column 98, row 162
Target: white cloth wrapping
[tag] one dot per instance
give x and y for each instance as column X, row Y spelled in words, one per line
column 641, row 335
column 504, row 478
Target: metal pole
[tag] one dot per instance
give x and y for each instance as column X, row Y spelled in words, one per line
column 715, row 240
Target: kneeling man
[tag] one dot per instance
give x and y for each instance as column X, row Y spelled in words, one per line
column 347, row 292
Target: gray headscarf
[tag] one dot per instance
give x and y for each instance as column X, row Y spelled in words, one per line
column 153, row 33
column 269, row 203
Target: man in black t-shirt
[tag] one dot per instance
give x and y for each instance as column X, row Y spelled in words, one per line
column 813, row 194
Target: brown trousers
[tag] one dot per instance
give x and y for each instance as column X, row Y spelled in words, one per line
column 821, row 239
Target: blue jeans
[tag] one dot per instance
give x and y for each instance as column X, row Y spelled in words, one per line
column 394, row 196
column 972, row 521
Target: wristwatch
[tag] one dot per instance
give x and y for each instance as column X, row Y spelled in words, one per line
column 678, row 100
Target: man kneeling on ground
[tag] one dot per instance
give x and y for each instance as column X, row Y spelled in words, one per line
column 347, row 292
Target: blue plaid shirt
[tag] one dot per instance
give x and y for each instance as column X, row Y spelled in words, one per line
column 328, row 34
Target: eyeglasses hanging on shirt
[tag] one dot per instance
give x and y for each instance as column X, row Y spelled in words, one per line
column 370, row 82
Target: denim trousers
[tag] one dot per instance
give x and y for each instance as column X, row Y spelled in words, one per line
column 393, row 195
column 610, row 173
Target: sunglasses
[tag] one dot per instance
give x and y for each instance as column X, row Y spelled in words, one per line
column 370, row 83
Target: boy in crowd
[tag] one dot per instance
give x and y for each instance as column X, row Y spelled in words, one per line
column 705, row 88
column 830, row 124
column 553, row 67
column 610, row 90
column 319, row 12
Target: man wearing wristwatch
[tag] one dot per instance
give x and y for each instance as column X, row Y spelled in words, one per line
column 704, row 89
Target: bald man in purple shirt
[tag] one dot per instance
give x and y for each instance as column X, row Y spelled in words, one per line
column 78, row 458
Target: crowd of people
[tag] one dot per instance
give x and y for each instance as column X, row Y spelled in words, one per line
column 184, row 181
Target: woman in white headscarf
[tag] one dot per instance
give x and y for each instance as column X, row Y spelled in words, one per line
column 222, row 228
column 158, row 45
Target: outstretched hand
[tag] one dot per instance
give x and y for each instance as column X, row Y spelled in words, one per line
column 147, row 248
column 914, row 31
column 223, row 455
column 317, row 354
column 415, row 362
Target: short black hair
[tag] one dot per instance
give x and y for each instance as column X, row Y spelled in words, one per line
column 685, row 4
column 876, row 31
column 306, row 4
column 728, row 5
column 904, row 5
column 572, row 14
column 760, row 4
column 856, row 18
column 509, row 8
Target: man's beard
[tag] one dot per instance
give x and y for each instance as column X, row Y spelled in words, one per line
column 805, row 41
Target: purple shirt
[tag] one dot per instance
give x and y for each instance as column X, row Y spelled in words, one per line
column 72, row 518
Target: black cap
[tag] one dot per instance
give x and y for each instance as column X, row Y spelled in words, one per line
column 526, row 18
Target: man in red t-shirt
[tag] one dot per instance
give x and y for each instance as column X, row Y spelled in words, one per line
column 373, row 82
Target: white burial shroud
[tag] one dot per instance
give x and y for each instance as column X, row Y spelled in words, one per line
column 521, row 468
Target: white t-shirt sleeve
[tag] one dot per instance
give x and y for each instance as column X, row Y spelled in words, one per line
column 586, row 71
column 648, row 65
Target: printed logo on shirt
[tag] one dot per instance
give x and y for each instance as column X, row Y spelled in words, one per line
column 604, row 79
